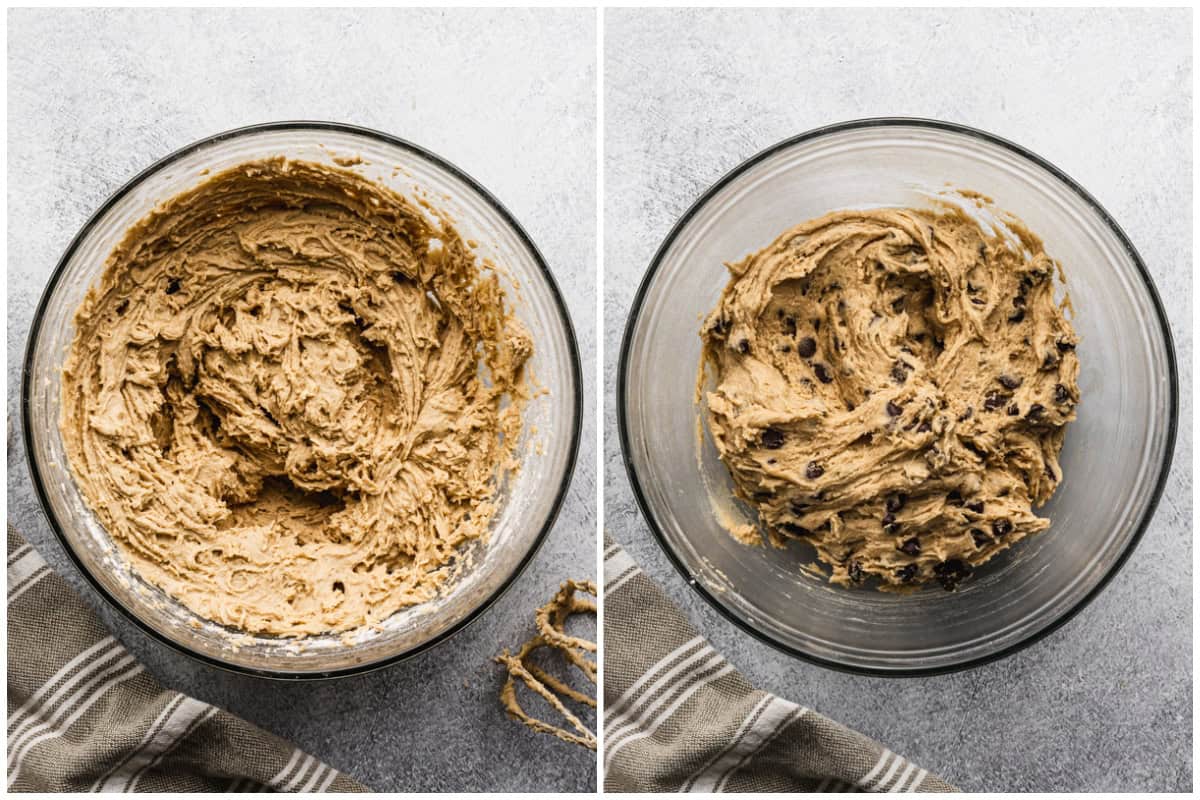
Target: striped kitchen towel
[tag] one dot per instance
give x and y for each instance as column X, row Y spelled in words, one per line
column 679, row 717
column 84, row 715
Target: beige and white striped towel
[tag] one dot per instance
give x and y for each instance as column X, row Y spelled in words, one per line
column 84, row 715
column 679, row 717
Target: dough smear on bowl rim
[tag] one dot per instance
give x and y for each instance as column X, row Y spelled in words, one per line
column 291, row 398
column 893, row 387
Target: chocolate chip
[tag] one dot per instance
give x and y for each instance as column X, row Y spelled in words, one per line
column 1063, row 344
column 1017, row 316
column 924, row 427
column 174, row 285
column 966, row 415
column 979, row 301
column 1035, row 411
column 980, row 537
column 972, row 288
column 813, row 471
column 907, row 572
column 123, row 306
column 855, row 571
column 899, row 372
column 806, row 347
column 721, row 326
column 994, row 400
column 744, row 346
column 976, row 506
column 910, row 547
column 1001, row 527
column 888, row 519
column 822, row 373
column 1009, row 382
column 893, row 529
column 1061, row 395
column 893, row 410
column 950, row 573
column 1014, row 410
column 772, row 438
column 895, row 502
column 955, row 498
column 816, row 323
column 1019, row 300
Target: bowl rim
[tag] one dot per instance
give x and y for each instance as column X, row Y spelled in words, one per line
column 623, row 366
column 560, row 308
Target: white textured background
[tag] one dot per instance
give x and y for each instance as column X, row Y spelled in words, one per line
column 1106, row 702
column 95, row 96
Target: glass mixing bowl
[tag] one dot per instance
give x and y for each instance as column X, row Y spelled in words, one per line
column 1116, row 456
column 529, row 500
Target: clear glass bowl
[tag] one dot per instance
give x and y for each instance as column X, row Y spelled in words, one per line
column 1116, row 455
column 529, row 500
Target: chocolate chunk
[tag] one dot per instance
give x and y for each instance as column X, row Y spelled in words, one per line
column 1009, row 382
column 744, row 346
column 1017, row 316
column 806, row 347
column 813, row 471
column 950, row 573
column 772, row 438
column 907, row 572
column 789, row 326
column 954, row 498
column 822, row 373
column 893, row 410
column 1035, row 411
column 1014, row 410
column 1061, row 395
column 1001, row 527
column 855, row 571
column 910, row 547
column 174, row 285
column 980, row 537
column 976, row 506
column 895, row 502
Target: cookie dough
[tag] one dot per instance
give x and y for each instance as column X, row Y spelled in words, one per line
column 291, row 396
column 893, row 387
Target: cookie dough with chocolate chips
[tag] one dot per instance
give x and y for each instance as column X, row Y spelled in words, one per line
column 290, row 398
column 893, row 387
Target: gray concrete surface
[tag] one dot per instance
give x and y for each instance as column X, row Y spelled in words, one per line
column 1106, row 702
column 95, row 96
